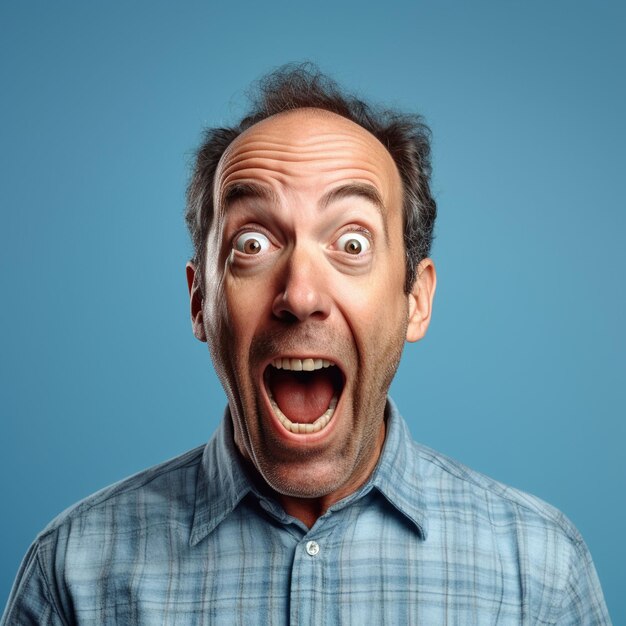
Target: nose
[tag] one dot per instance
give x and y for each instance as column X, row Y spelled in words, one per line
column 302, row 293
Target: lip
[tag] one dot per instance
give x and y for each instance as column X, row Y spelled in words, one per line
column 300, row 439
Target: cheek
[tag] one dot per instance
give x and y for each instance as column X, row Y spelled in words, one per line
column 243, row 305
column 377, row 316
column 374, row 298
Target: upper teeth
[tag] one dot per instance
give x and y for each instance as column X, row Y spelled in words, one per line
column 299, row 365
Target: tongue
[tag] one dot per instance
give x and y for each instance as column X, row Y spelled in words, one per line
column 302, row 396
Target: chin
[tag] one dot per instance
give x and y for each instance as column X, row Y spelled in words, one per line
column 308, row 482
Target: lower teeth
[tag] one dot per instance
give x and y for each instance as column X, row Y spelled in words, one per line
column 297, row 427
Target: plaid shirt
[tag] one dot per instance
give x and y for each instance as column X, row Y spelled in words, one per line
column 424, row 541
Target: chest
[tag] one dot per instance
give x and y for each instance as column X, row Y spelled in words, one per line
column 360, row 568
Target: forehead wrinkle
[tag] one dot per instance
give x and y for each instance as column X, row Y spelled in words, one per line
column 322, row 160
column 299, row 132
column 295, row 155
column 305, row 134
column 313, row 146
column 252, row 166
column 305, row 148
column 308, row 144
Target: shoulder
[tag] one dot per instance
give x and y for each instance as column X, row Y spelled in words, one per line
column 104, row 537
column 453, row 494
column 452, row 483
column 511, row 534
column 145, row 498
column 519, row 536
column 456, row 502
column 511, row 542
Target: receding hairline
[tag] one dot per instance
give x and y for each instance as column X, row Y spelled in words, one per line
column 309, row 113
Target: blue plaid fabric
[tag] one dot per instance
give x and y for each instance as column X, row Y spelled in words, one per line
column 425, row 541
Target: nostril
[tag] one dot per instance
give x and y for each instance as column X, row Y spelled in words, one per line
column 286, row 316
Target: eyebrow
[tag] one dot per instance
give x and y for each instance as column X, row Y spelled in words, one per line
column 249, row 190
column 360, row 190
column 243, row 191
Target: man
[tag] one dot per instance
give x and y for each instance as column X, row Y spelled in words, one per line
column 312, row 222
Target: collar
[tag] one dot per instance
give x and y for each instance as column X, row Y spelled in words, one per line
column 397, row 474
column 222, row 481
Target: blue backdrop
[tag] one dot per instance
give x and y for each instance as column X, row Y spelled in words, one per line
column 522, row 374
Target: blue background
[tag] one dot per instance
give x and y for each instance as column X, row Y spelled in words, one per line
column 522, row 374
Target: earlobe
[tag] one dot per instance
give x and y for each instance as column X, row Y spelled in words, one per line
column 195, row 302
column 421, row 300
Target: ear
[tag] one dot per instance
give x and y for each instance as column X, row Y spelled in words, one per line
column 195, row 301
column 421, row 300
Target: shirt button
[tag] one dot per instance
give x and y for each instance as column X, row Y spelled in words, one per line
column 312, row 548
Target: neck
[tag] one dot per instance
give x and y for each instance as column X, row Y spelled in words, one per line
column 309, row 510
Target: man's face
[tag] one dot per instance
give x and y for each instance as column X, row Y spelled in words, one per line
column 304, row 308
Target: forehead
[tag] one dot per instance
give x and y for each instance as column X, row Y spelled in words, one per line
column 308, row 150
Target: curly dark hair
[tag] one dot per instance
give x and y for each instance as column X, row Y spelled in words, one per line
column 406, row 137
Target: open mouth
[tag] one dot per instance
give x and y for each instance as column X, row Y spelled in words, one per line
column 303, row 393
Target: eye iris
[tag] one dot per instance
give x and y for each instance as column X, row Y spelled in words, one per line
column 252, row 246
column 353, row 246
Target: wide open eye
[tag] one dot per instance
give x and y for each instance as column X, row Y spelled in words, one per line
column 353, row 243
column 252, row 243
